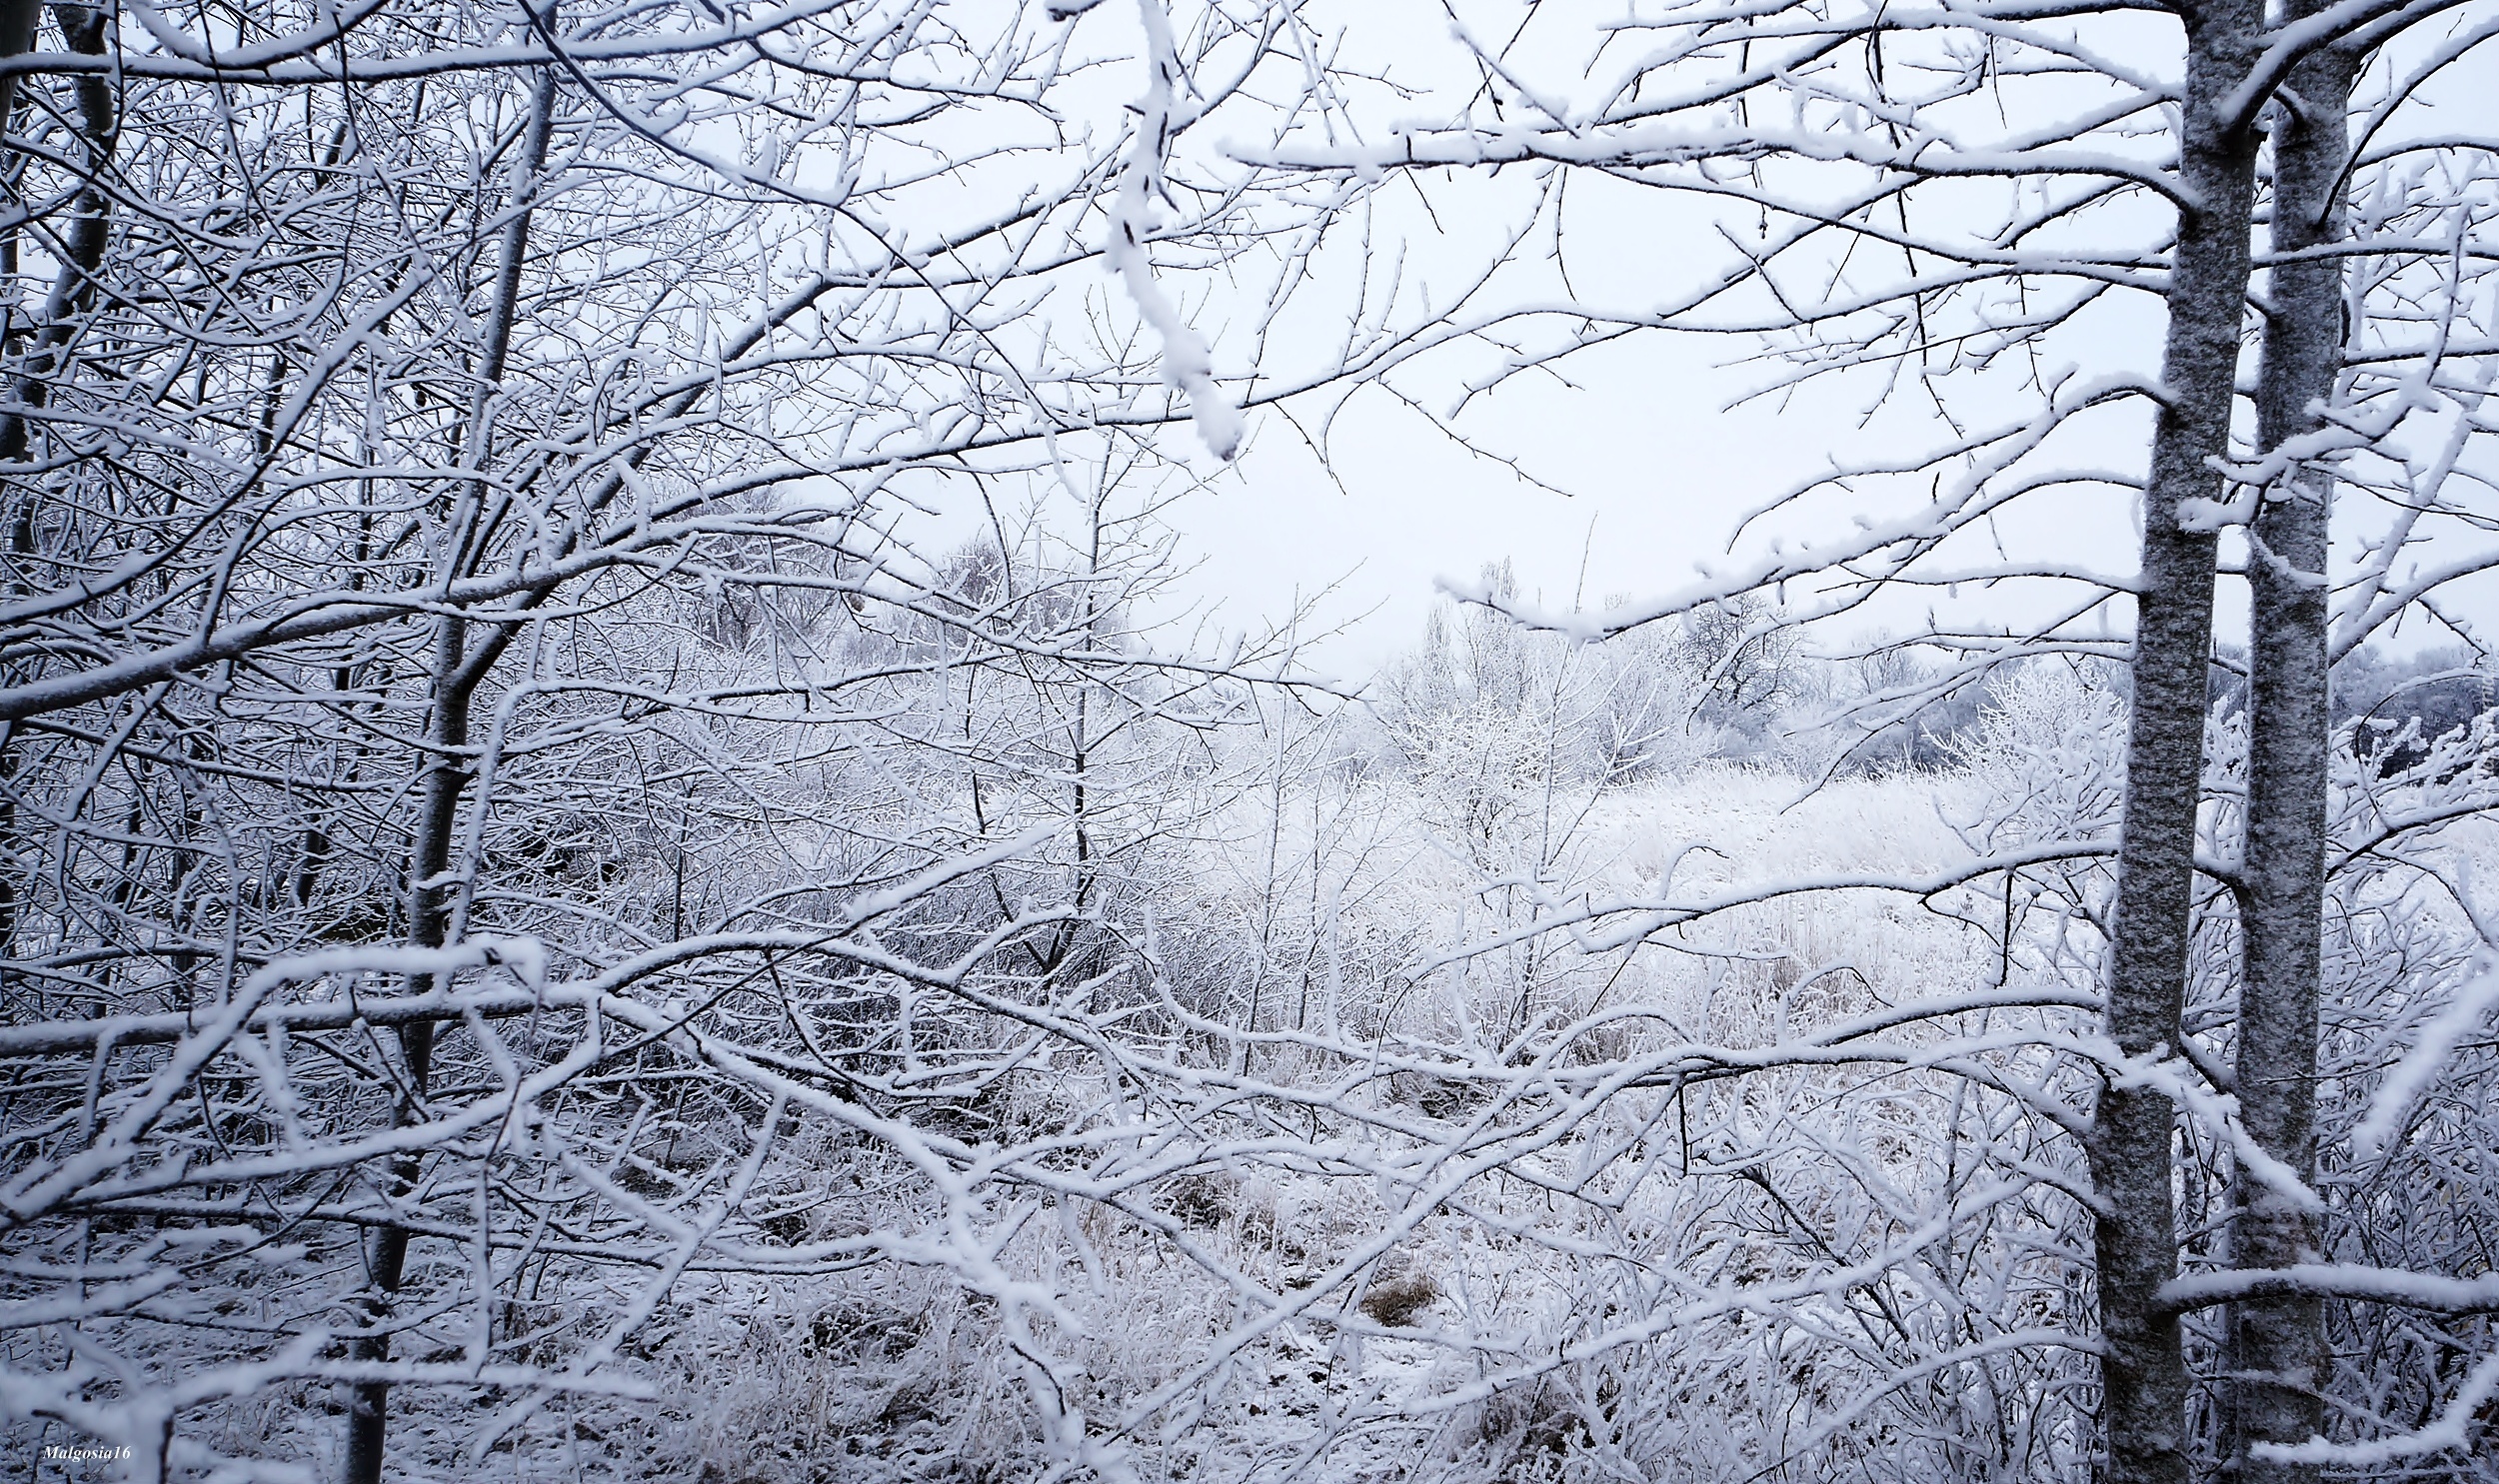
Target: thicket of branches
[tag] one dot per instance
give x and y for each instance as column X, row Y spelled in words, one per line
column 493, row 743
column 620, row 856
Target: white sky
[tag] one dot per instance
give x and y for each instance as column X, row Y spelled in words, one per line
column 1656, row 474
column 1657, row 464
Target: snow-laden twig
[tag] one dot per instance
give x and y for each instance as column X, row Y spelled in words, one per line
column 1188, row 361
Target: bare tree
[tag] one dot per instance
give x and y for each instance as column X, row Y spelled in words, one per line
column 2277, row 1364
column 1909, row 197
column 461, row 477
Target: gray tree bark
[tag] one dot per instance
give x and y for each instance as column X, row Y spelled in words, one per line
column 2144, row 1385
column 2274, row 1389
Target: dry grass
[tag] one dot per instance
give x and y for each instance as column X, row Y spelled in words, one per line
column 1396, row 1302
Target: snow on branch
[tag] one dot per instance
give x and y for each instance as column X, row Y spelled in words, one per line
column 1188, row 361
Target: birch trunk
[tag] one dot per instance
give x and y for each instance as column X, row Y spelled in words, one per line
column 2129, row 1148
column 2276, row 1345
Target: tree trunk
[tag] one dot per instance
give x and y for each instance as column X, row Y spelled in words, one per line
column 2273, row 1391
column 2143, row 1374
column 457, row 674
column 73, row 290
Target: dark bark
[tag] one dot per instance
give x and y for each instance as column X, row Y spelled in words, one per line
column 73, row 290
column 429, row 898
column 432, row 891
column 2129, row 1148
column 83, row 30
column 2273, row 1391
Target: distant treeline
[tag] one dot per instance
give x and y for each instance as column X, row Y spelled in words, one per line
column 2402, row 702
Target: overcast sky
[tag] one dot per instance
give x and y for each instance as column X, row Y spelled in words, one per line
column 1655, row 473
column 1655, row 464
column 1655, row 461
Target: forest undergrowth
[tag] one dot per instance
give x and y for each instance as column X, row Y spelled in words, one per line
column 1697, row 1280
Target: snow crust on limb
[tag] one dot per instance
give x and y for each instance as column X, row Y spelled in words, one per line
column 2454, row 1429
column 1188, row 361
column 2429, row 1057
